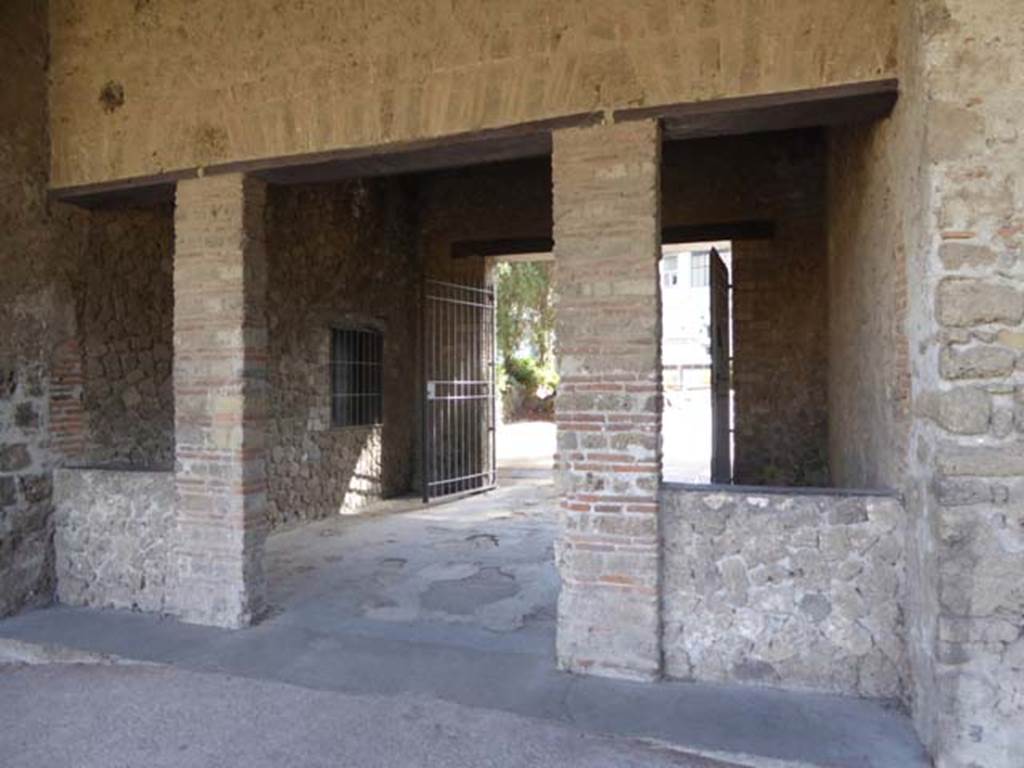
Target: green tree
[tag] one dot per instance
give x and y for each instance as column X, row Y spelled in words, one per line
column 525, row 309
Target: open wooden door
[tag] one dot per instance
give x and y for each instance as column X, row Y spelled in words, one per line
column 721, row 373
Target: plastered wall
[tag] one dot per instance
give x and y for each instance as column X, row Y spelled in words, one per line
column 156, row 85
column 872, row 178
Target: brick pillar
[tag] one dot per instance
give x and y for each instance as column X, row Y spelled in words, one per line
column 220, row 383
column 67, row 415
column 607, row 245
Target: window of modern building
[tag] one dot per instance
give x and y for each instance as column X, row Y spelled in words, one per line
column 700, row 269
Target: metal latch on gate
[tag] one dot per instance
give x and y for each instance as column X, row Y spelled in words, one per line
column 430, row 390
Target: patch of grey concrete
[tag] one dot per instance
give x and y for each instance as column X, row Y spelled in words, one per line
column 739, row 760
column 469, row 594
column 164, row 717
column 24, row 653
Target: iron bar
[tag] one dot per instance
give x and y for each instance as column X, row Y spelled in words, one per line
column 459, row 388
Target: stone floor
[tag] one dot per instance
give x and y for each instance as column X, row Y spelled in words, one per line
column 455, row 602
column 481, row 567
column 526, row 445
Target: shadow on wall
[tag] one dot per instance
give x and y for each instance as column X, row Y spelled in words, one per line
column 340, row 256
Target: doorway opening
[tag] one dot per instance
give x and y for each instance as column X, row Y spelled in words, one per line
column 696, row 362
column 527, row 376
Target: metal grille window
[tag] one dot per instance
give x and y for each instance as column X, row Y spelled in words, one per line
column 356, row 376
column 700, row 269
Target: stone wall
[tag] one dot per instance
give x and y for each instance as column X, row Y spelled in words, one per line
column 284, row 78
column 124, row 299
column 40, row 373
column 26, row 555
column 780, row 299
column 799, row 590
column 114, row 538
column 488, row 202
column 339, row 255
column 925, row 238
column 966, row 452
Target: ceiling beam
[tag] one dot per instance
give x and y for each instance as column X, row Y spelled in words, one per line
column 814, row 107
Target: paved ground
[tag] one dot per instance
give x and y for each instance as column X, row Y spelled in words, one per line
column 451, row 605
column 526, row 445
column 686, row 436
column 108, row 717
column 485, row 562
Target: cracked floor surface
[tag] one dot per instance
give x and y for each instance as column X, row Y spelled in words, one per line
column 484, row 562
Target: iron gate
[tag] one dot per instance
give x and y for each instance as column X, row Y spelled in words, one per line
column 459, row 397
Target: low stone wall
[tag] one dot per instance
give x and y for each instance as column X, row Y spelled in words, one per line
column 113, row 538
column 795, row 589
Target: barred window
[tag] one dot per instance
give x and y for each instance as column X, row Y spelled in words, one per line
column 700, row 269
column 356, row 376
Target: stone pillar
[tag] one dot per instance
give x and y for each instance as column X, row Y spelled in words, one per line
column 966, row 327
column 607, row 245
column 220, row 383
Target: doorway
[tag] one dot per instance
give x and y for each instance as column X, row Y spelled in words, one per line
column 528, row 379
column 696, row 359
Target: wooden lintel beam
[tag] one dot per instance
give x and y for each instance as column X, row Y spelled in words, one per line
column 787, row 110
column 760, row 229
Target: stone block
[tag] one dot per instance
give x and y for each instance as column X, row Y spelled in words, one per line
column 963, row 410
column 983, row 460
column 956, row 256
column 8, row 491
column 26, row 416
column 8, row 381
column 14, row 457
column 966, row 302
column 976, row 362
column 36, row 488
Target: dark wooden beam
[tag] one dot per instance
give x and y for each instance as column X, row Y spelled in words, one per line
column 726, row 230
column 760, row 229
column 831, row 105
column 502, row 247
column 125, row 193
column 514, row 142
